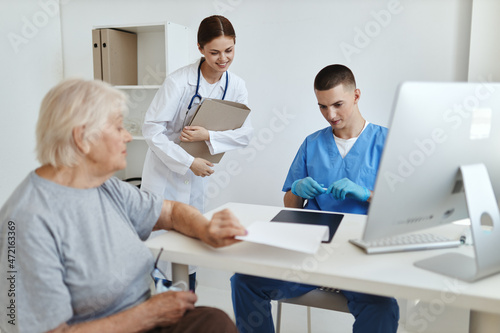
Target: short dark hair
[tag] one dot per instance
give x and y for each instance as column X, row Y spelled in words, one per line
column 214, row 26
column 333, row 75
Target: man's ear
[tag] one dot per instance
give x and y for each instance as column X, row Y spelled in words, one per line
column 357, row 95
column 80, row 141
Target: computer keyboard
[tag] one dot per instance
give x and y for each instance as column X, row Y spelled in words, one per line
column 409, row 242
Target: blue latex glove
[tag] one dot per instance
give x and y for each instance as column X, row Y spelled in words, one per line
column 307, row 188
column 345, row 188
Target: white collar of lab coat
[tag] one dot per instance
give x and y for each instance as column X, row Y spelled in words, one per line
column 193, row 76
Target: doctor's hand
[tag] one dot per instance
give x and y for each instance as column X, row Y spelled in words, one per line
column 345, row 188
column 194, row 133
column 307, row 188
column 222, row 228
column 201, row 167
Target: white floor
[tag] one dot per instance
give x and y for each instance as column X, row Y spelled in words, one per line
column 213, row 289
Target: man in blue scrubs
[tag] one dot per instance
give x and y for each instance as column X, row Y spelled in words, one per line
column 334, row 170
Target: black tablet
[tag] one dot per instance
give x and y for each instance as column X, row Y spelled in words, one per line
column 332, row 220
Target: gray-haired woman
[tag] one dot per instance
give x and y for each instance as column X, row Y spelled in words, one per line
column 80, row 263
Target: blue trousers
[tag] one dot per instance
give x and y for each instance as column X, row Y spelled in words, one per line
column 252, row 297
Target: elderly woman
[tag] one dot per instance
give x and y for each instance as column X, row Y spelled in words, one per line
column 80, row 264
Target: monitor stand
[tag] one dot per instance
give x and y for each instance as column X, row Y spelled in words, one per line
column 483, row 213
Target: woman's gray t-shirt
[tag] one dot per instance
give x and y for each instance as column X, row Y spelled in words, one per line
column 79, row 253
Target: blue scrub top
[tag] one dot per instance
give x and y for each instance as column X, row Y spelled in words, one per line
column 319, row 158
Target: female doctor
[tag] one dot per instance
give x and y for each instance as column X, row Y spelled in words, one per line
column 168, row 169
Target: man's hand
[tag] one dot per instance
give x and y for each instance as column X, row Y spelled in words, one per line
column 345, row 188
column 201, row 167
column 194, row 133
column 307, row 188
column 222, row 229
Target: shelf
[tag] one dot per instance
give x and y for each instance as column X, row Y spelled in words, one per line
column 162, row 47
column 136, row 28
column 150, row 52
column 153, row 87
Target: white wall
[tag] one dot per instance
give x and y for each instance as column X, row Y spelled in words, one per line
column 484, row 46
column 285, row 45
column 31, row 60
column 281, row 45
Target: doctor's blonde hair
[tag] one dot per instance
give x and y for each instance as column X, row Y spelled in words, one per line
column 70, row 104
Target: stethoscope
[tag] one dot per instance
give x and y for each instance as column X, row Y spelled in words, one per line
column 197, row 95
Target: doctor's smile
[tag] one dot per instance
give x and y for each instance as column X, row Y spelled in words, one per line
column 223, row 65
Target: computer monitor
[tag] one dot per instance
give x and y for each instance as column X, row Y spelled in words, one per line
column 441, row 163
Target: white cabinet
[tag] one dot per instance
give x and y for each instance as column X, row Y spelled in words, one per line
column 161, row 49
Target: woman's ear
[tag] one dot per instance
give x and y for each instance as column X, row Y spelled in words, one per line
column 79, row 136
column 200, row 49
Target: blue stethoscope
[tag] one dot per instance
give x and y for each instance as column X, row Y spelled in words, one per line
column 196, row 94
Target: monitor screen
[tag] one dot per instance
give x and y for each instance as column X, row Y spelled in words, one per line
column 435, row 129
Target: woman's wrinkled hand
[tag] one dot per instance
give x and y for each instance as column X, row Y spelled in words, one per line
column 222, row 229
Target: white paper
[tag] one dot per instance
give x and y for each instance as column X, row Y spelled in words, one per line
column 292, row 236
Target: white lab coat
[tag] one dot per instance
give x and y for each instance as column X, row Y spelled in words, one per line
column 166, row 168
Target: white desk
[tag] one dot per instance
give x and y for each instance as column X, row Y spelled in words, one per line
column 338, row 264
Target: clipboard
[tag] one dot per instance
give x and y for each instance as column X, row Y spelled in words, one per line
column 215, row 115
column 332, row 220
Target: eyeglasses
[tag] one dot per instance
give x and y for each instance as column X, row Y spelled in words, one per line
column 156, row 274
column 159, row 277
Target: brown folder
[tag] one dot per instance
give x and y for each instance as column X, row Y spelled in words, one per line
column 116, row 57
column 215, row 115
column 96, row 53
